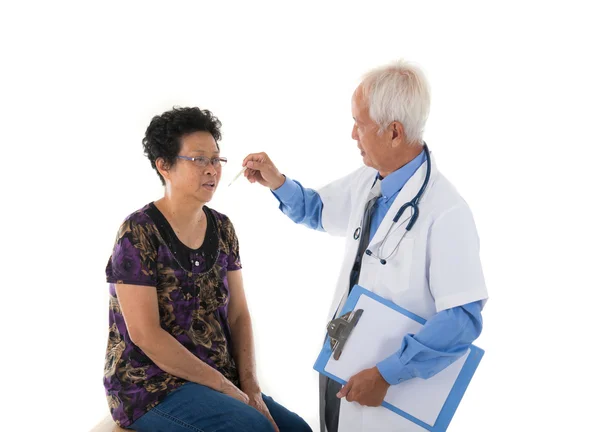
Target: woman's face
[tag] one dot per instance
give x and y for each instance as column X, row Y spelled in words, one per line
column 191, row 179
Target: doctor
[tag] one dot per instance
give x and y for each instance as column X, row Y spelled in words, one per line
column 425, row 259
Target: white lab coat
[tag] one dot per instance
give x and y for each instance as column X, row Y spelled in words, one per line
column 436, row 267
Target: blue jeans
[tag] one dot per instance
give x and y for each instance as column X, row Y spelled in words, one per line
column 194, row 407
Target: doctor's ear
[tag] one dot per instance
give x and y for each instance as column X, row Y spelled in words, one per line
column 397, row 133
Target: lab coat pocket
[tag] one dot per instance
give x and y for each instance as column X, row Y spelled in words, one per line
column 394, row 275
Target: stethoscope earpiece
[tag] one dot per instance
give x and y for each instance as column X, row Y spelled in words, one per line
column 381, row 260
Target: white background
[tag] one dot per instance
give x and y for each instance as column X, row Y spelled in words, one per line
column 513, row 124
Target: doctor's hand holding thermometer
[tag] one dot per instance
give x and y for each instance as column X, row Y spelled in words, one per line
column 260, row 169
column 410, row 238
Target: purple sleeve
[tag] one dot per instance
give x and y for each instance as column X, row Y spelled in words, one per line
column 133, row 260
column 233, row 258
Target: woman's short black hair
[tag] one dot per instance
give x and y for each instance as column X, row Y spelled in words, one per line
column 163, row 135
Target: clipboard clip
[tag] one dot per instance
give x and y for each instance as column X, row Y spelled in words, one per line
column 339, row 330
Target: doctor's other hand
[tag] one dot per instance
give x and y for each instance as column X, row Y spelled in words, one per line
column 262, row 170
column 368, row 388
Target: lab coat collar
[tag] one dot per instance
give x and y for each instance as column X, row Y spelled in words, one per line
column 396, row 180
column 408, row 192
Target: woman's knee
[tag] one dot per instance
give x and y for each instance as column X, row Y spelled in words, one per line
column 295, row 423
column 255, row 421
column 286, row 420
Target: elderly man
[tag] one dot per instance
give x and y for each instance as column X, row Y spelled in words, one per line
column 426, row 261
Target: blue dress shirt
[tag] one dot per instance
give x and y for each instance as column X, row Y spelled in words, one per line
column 446, row 336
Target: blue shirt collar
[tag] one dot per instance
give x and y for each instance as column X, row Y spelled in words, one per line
column 396, row 180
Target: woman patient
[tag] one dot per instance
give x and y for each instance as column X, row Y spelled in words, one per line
column 180, row 353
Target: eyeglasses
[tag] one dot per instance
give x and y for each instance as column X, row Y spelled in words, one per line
column 203, row 161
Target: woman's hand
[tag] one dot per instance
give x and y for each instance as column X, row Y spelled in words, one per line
column 230, row 389
column 257, row 402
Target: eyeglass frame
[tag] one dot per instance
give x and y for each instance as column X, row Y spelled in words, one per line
column 222, row 160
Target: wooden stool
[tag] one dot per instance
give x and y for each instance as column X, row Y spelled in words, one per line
column 108, row 425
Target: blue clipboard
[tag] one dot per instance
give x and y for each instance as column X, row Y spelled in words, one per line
column 458, row 389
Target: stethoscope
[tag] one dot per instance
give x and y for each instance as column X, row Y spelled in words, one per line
column 412, row 204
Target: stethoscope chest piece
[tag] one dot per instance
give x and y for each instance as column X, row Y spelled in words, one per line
column 356, row 233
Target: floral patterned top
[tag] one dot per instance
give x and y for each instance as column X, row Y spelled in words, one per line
column 192, row 305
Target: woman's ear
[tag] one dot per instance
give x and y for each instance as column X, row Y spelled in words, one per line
column 163, row 168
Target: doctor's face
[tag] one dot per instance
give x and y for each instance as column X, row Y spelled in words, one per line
column 373, row 147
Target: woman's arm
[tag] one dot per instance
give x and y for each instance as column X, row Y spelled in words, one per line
column 241, row 333
column 243, row 343
column 139, row 305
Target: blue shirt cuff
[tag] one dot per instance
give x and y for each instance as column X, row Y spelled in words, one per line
column 393, row 370
column 286, row 191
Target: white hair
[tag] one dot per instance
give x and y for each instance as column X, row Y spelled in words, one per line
column 398, row 92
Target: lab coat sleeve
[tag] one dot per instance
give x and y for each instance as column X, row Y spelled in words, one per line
column 337, row 200
column 454, row 267
column 300, row 204
column 442, row 340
